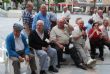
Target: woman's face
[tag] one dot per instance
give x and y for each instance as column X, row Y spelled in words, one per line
column 96, row 26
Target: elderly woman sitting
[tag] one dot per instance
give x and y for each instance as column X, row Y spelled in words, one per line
column 95, row 36
column 39, row 40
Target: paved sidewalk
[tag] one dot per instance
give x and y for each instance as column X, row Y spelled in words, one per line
column 102, row 67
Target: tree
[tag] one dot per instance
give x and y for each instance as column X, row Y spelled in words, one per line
column 6, row 1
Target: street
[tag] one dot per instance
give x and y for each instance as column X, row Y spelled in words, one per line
column 68, row 67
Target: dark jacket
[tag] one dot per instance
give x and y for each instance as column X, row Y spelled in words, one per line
column 36, row 42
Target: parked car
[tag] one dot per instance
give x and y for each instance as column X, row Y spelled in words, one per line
column 77, row 10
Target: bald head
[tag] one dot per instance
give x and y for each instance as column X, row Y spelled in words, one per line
column 61, row 23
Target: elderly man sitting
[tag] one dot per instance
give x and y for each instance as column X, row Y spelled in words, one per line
column 60, row 35
column 18, row 49
column 79, row 37
column 39, row 40
column 105, row 35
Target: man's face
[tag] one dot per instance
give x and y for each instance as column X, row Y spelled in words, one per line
column 40, row 27
column 61, row 24
column 80, row 23
column 16, row 33
column 106, row 23
column 100, row 12
column 65, row 9
column 30, row 8
column 43, row 9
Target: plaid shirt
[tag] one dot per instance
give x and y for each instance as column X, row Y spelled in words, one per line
column 27, row 18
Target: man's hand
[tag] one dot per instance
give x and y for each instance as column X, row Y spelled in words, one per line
column 27, row 58
column 61, row 46
column 20, row 59
column 83, row 33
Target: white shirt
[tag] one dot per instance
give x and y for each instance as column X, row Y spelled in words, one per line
column 75, row 33
column 53, row 16
column 58, row 34
column 104, row 31
column 66, row 14
column 97, row 18
column 19, row 45
column 41, row 35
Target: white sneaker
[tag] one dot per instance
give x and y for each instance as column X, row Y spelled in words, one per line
column 91, row 63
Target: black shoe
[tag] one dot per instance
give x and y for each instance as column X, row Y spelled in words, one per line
column 33, row 72
column 82, row 67
column 62, row 60
column 51, row 68
column 101, row 58
column 58, row 66
column 93, row 56
column 42, row 72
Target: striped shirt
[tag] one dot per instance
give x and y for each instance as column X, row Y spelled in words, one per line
column 27, row 18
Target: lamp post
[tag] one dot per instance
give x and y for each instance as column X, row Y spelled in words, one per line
column 94, row 3
column 55, row 5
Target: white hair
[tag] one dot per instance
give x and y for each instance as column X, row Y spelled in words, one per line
column 40, row 21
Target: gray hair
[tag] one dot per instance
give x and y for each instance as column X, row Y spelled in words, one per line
column 40, row 21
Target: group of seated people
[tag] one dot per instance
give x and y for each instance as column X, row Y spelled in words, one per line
column 62, row 38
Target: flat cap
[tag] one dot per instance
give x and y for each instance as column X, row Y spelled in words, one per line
column 17, row 27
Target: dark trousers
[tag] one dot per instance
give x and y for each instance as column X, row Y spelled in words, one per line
column 96, row 44
column 72, row 52
column 16, row 63
column 106, row 43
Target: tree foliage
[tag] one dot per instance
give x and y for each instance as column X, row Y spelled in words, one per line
column 6, row 1
column 18, row 1
column 58, row 1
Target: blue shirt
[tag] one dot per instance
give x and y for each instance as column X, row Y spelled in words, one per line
column 45, row 18
column 89, row 26
column 53, row 16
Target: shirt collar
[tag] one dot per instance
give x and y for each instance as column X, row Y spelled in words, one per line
column 18, row 37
